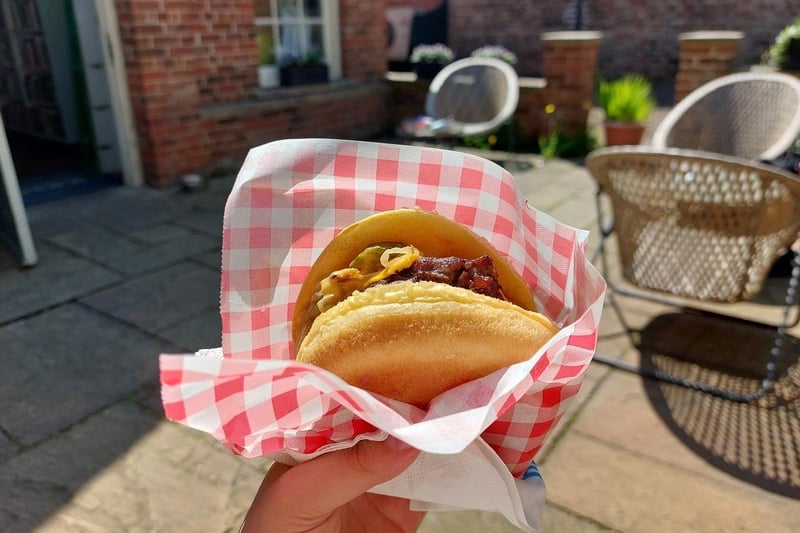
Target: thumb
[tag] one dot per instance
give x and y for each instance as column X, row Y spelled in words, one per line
column 338, row 477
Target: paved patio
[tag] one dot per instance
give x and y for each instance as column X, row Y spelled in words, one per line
column 126, row 274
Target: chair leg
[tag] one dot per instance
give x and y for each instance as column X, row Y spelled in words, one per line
column 771, row 367
column 767, row 381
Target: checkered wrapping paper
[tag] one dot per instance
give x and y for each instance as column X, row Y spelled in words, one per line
column 289, row 200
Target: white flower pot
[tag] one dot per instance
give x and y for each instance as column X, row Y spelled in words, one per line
column 268, row 76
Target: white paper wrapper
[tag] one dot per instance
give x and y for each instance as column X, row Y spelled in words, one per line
column 478, row 439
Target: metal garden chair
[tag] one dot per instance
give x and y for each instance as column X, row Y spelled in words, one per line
column 753, row 115
column 472, row 96
column 695, row 226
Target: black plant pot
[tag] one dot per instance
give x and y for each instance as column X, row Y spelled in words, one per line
column 427, row 71
column 303, row 75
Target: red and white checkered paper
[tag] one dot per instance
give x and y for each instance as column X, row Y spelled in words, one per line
column 290, row 199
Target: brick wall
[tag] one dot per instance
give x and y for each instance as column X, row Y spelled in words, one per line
column 181, row 55
column 638, row 35
column 186, row 59
column 647, row 30
column 516, row 25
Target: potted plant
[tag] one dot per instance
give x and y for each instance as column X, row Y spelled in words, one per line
column 627, row 103
column 267, row 68
column 428, row 59
column 304, row 70
column 784, row 53
column 496, row 51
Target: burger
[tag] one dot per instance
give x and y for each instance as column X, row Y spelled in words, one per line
column 408, row 304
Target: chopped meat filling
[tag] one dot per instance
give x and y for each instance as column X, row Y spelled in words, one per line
column 477, row 275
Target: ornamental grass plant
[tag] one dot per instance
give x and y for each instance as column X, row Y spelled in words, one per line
column 627, row 99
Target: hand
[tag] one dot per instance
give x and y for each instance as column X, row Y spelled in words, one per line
column 329, row 493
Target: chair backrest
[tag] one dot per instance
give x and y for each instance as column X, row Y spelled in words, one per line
column 476, row 95
column 696, row 224
column 749, row 114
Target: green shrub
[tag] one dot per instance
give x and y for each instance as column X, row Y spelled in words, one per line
column 784, row 50
column 627, row 99
column 557, row 144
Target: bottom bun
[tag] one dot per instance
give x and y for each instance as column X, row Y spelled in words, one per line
column 412, row 341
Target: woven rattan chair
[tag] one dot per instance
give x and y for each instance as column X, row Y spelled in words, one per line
column 472, row 96
column 750, row 115
column 699, row 226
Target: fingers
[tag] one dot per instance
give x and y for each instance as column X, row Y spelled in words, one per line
column 352, row 471
column 313, row 490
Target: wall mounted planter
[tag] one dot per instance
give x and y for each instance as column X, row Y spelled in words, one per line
column 303, row 75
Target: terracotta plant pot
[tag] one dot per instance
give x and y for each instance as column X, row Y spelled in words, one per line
column 621, row 133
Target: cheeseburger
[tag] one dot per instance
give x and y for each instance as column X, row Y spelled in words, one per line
column 408, row 304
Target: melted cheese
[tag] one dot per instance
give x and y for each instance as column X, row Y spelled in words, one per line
column 374, row 264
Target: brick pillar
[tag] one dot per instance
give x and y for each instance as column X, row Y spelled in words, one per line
column 569, row 66
column 704, row 56
column 363, row 39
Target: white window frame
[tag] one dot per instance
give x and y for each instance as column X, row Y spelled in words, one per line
column 330, row 31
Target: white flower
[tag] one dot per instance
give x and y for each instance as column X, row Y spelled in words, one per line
column 431, row 53
column 497, row 51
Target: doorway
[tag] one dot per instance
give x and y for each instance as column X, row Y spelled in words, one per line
column 55, row 99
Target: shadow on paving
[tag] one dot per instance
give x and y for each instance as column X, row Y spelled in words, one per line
column 757, row 442
column 124, row 274
column 36, row 484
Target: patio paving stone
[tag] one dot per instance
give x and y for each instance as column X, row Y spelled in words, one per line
column 206, row 221
column 159, row 233
column 164, row 253
column 59, row 277
column 7, row 448
column 161, row 299
column 212, row 259
column 201, row 331
column 554, row 520
column 169, row 479
column 65, row 364
column 645, row 494
column 96, row 243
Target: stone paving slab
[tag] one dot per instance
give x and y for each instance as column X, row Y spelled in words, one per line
column 165, row 253
column 591, row 379
column 633, row 493
column 123, row 470
column 212, row 259
column 554, row 520
column 96, row 243
column 622, row 413
column 201, row 331
column 204, row 220
column 130, row 213
column 120, row 208
column 63, row 365
column 161, row 299
column 7, row 448
column 59, row 277
column 159, row 234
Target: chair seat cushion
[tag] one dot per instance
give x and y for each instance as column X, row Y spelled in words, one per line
column 425, row 126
